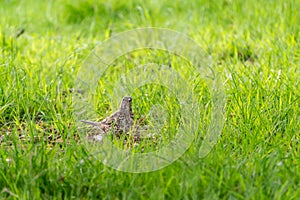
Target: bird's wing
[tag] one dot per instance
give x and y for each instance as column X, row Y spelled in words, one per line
column 112, row 119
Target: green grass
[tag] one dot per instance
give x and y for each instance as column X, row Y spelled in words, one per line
column 256, row 45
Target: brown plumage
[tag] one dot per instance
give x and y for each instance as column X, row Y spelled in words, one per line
column 119, row 122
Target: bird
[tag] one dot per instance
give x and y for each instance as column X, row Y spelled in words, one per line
column 119, row 122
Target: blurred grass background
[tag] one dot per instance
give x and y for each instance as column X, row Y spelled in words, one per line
column 256, row 43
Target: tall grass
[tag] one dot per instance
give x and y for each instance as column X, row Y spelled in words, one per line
column 254, row 43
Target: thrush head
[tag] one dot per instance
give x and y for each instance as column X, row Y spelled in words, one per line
column 126, row 104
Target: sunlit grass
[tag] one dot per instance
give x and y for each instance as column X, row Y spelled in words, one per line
column 254, row 44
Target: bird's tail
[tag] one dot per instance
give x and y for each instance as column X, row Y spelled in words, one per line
column 91, row 123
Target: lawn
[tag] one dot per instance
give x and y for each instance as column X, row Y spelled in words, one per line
column 253, row 45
